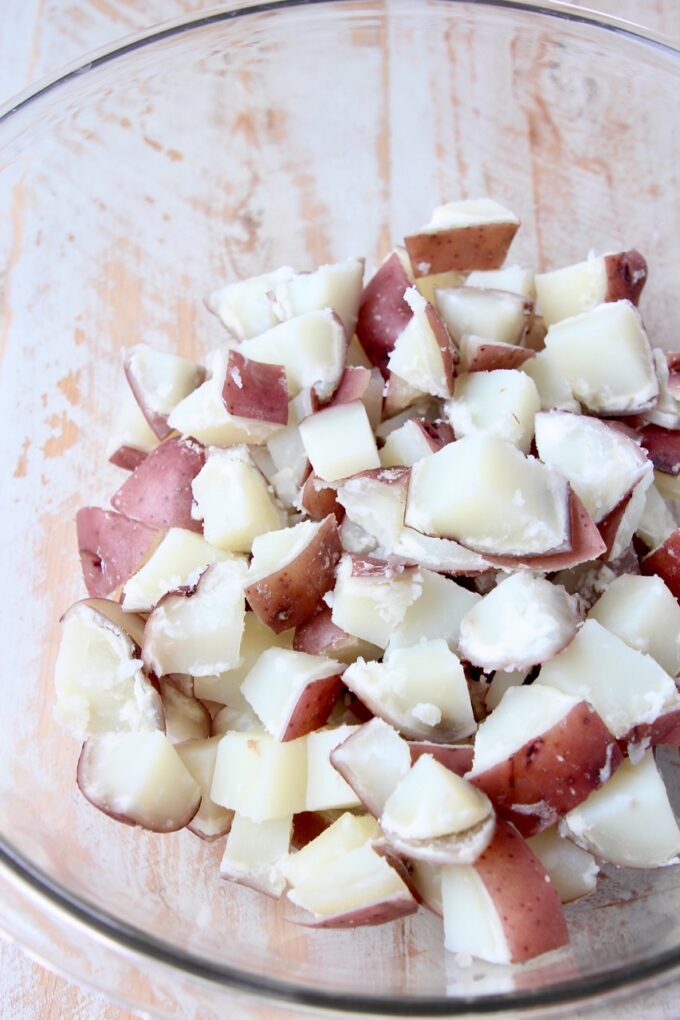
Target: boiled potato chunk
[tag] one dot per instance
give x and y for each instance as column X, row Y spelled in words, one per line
column 500, row 403
column 291, row 692
column 159, row 381
column 131, row 436
column 437, row 613
column 177, row 562
column 644, row 614
column 572, row 870
column 554, row 392
column 423, row 354
column 325, row 786
column 657, row 522
column 471, row 234
column 514, row 279
column 337, row 286
column 339, row 441
column 370, row 604
column 255, row 852
column 245, row 308
column 373, row 760
column 493, row 314
column 211, row 821
column 225, row 688
column 431, row 801
column 259, row 777
column 571, row 290
column 348, row 832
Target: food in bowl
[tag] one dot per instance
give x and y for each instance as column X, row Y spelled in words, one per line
column 388, row 599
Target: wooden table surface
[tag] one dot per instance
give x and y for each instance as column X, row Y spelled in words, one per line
column 36, row 38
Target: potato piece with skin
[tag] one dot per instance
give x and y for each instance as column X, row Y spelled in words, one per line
column 259, row 777
column 618, row 527
column 199, row 631
column 423, row 354
column 311, row 347
column 98, row 677
column 318, row 499
column 325, row 786
column 346, row 833
column 572, row 290
column 225, row 688
column 383, row 312
column 500, row 403
column 629, row 821
column 290, row 572
column 643, row 613
column 666, row 411
column 483, row 492
column 464, row 235
column 665, row 563
column 111, row 547
column 493, row 314
column 522, row 622
column 158, row 492
column 372, row 760
column 437, row 613
column 625, row 687
column 454, row 757
column 657, row 522
column 512, row 910
column 427, row 285
column 606, row 358
column 572, row 870
column 337, row 286
column 255, row 853
column 245, row 308
column 291, row 692
column 186, row 718
column 339, row 441
column 601, row 463
column 411, row 442
column 233, row 500
column 255, row 390
column 320, row 636
column 131, row 437
column 363, row 384
column 554, row 392
column 370, row 598
column 421, row 691
column 539, row 754
column 139, row 779
column 211, row 821
column 514, row 279
column 427, row 885
column 400, row 398
column 478, row 354
column 158, row 382
column 663, row 448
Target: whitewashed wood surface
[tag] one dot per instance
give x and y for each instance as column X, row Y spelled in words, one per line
column 36, row 38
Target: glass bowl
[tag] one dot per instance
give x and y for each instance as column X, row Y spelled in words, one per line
column 267, row 134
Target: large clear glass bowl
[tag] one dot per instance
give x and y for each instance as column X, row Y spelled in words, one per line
column 267, row 134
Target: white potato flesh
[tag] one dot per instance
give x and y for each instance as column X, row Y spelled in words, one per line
column 139, row 777
column 624, row 687
column 554, row 391
column 160, row 380
column 211, row 820
column 657, row 522
column 311, row 348
column 514, row 279
column 630, row 519
column 500, row 403
column 277, row 549
column 337, row 286
column 501, row 681
column 290, row 464
column 573, row 871
column 177, row 561
column 259, row 777
column 204, row 416
column 427, row 285
column 233, row 500
column 370, row 607
column 439, row 554
column 629, row 821
column 98, row 678
column 485, row 493
column 606, row 358
column 255, row 852
column 523, row 714
column 426, row 879
column 225, row 688
column 276, row 683
column 437, row 613
column 643, row 613
column 572, row 290
column 421, row 691
column 431, row 801
column 465, row 896
column 186, row 718
column 199, row 633
column 493, row 314
column 406, row 445
column 325, row 787
column 468, row 212
column 668, row 485
column 356, row 355
column 130, row 429
column 356, row 880
column 523, row 621
column 373, row 760
column 237, row 717
column 245, row 307
column 401, row 399
column 339, row 441
column 347, row 833
column 601, row 463
column 416, row 355
column 376, row 503
column 666, row 412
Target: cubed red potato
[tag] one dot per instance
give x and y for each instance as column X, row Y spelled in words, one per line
column 245, row 308
column 319, row 499
column 131, row 437
column 539, row 754
column 455, row 757
column 437, row 613
column 211, row 821
column 291, row 692
column 572, row 870
column 331, row 836
column 360, row 383
column 514, row 279
column 657, row 522
column 372, row 760
column 339, row 441
column 663, row 448
column 503, row 908
column 383, row 312
column 111, row 548
column 260, row 777
column 371, row 597
column 290, row 572
column 644, row 614
column 158, row 492
column 186, row 718
column 581, row 287
column 139, row 779
column 423, row 354
column 554, row 391
column 320, row 636
column 176, row 562
column 502, row 403
column 253, row 389
column 307, row 825
column 471, row 234
column 159, row 381
column 401, row 399
column 478, row 354
column 337, row 286
column 255, row 852
column 492, row 314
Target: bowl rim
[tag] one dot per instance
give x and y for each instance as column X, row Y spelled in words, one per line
column 32, row 881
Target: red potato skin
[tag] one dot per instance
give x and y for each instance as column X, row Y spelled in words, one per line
column 663, row 448
column 111, row 548
column 319, row 499
column 437, row 433
column 254, row 390
column 383, row 313
column 291, row 596
column 455, row 757
column 556, row 771
column 392, row 909
column 626, row 275
column 665, row 563
column 489, row 357
column 444, row 343
column 609, row 525
column 664, row 730
column 313, row 707
column 307, row 825
column 127, row 457
column 353, row 385
column 320, row 636
column 526, row 900
column 483, row 246
column 158, row 492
